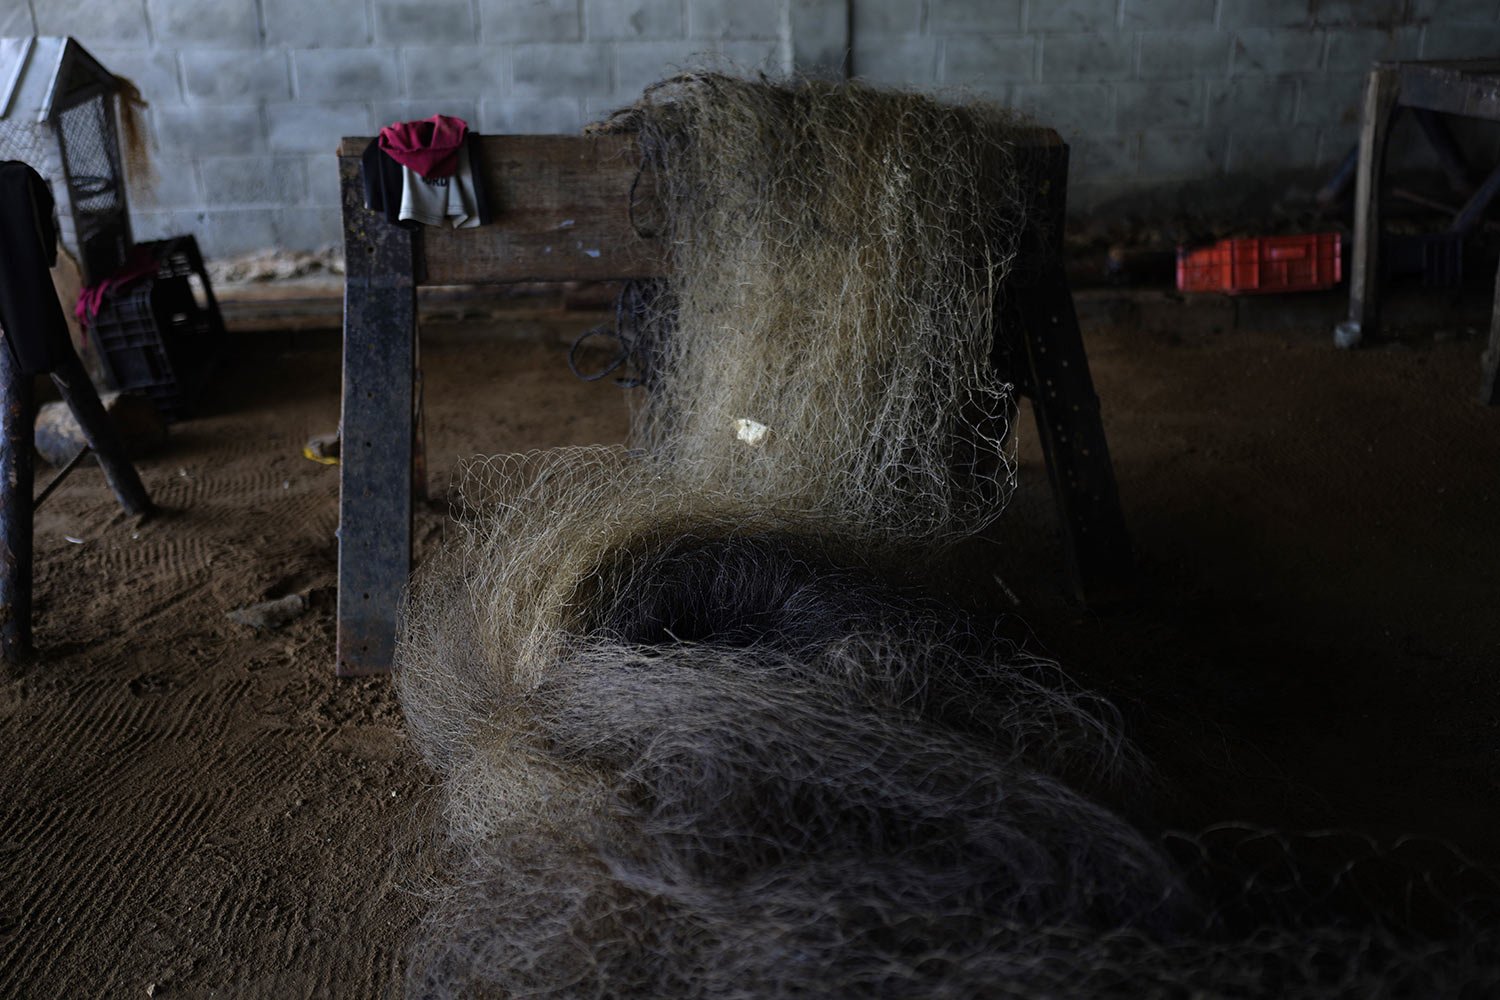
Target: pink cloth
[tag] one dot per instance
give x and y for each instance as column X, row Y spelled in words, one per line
column 429, row 147
column 139, row 264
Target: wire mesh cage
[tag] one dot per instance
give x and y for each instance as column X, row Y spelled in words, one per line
column 57, row 114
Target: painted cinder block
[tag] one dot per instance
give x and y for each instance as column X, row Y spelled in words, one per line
column 1265, row 13
column 307, row 227
column 16, row 20
column 304, row 127
column 1451, row 41
column 1277, row 51
column 1177, row 55
column 227, row 231
column 456, row 71
column 316, row 23
column 1469, row 11
column 424, row 22
column 173, row 183
column 254, row 180
column 1266, row 150
column 896, row 62
column 1071, row 16
column 153, row 71
column 415, row 109
column 818, row 31
column 1075, row 58
column 530, row 20
column 1193, row 153
column 947, row 17
column 639, row 64
column 1353, row 50
column 1382, row 13
column 346, row 74
column 225, row 76
column 532, row 115
column 633, row 19
column 116, row 23
column 1164, row 14
column 1090, row 158
column 1252, row 102
column 203, row 23
column 1330, row 99
column 571, row 70
column 322, row 178
column 1074, row 109
column 736, row 19
column 1158, row 104
column 884, row 18
column 984, row 60
column 191, row 132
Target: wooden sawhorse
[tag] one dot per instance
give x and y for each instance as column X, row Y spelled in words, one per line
column 1469, row 87
column 562, row 214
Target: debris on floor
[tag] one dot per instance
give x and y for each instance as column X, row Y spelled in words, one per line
column 277, row 265
column 270, row 614
column 59, row 436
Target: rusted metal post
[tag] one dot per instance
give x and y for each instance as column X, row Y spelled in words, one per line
column 100, row 432
column 16, row 471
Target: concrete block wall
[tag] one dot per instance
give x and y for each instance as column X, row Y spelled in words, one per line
column 1158, row 96
column 248, row 97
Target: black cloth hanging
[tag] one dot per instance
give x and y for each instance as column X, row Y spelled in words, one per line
column 35, row 329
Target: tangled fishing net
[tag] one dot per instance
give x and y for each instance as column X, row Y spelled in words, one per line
column 837, row 256
column 697, row 733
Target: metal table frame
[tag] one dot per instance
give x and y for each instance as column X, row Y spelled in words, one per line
column 1468, row 87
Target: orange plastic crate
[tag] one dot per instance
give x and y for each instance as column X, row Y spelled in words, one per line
column 1303, row 263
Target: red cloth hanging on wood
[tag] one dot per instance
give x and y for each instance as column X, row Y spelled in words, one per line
column 430, row 147
column 141, row 263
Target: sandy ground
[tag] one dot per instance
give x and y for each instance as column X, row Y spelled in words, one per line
column 193, row 808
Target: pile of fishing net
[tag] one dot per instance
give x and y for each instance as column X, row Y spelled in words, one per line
column 700, row 731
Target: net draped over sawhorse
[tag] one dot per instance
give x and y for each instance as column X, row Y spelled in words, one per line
column 563, row 214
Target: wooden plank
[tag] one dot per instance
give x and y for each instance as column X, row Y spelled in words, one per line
column 375, row 471
column 562, row 208
column 1470, row 88
column 562, row 212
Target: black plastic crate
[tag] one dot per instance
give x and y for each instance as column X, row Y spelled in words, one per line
column 1437, row 257
column 155, row 336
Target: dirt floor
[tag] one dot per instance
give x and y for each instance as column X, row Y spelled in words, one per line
column 194, row 808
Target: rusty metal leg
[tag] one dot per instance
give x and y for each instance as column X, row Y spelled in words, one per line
column 1489, row 363
column 100, row 432
column 16, row 469
column 375, row 471
column 1382, row 89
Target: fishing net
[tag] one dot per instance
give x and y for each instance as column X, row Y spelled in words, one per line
column 837, row 257
column 699, row 733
